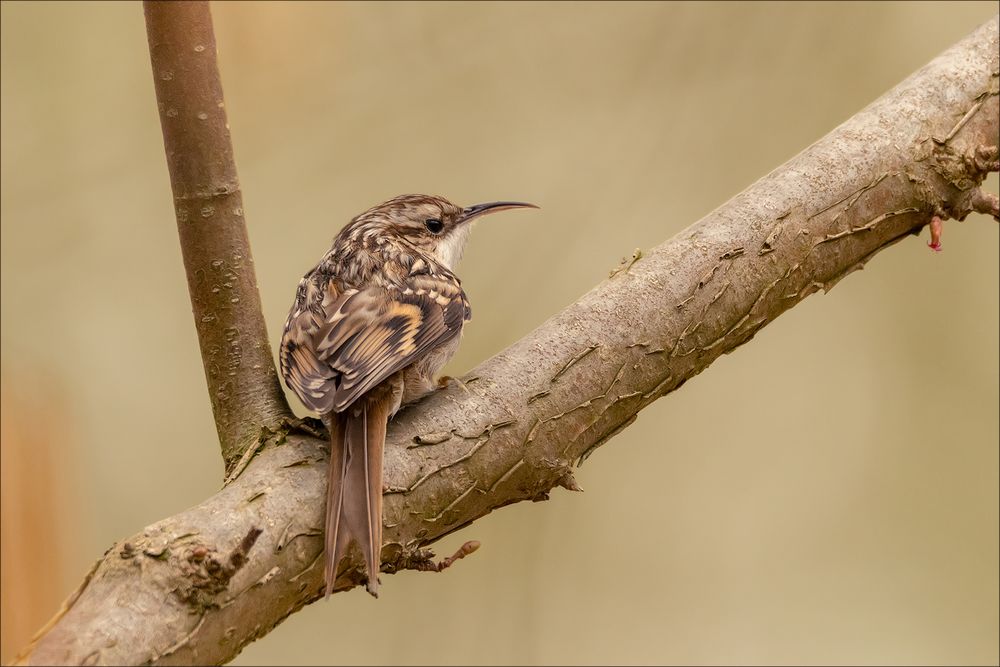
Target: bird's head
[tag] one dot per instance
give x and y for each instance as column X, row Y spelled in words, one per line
column 433, row 224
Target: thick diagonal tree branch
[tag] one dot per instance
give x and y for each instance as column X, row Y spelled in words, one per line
column 239, row 367
column 198, row 586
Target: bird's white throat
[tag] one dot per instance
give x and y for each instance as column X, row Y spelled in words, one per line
column 450, row 249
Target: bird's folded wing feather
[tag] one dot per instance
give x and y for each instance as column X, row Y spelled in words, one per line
column 358, row 338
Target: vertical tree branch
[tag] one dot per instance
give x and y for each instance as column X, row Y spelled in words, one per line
column 239, row 368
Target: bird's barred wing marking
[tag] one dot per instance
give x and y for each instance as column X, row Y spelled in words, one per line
column 303, row 371
column 365, row 336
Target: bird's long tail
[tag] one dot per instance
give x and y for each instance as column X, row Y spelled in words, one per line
column 354, row 495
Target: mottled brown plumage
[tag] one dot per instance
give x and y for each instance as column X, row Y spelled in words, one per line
column 371, row 326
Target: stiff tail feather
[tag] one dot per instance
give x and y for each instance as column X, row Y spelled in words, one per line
column 354, row 494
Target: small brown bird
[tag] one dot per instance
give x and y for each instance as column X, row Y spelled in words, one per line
column 371, row 326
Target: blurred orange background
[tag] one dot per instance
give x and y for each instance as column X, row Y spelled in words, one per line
column 829, row 494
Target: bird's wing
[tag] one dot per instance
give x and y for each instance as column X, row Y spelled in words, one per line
column 353, row 340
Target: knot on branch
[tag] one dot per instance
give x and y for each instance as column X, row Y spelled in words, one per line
column 965, row 170
column 985, row 158
column 206, row 573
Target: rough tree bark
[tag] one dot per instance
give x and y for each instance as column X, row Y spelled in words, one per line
column 198, row 586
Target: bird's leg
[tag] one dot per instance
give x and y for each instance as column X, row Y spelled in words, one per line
column 416, row 385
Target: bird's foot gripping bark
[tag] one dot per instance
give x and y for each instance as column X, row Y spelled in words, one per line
column 445, row 380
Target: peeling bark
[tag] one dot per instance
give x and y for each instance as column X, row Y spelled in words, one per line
column 547, row 402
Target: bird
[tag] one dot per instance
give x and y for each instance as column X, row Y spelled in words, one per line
column 371, row 326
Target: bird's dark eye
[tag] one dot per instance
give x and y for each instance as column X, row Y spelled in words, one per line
column 434, row 226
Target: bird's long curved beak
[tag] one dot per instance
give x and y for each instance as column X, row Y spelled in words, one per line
column 471, row 212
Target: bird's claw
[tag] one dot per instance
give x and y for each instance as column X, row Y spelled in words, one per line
column 446, row 380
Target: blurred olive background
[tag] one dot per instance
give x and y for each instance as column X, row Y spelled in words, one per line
column 829, row 494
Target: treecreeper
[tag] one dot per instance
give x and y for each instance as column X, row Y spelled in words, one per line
column 371, row 326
